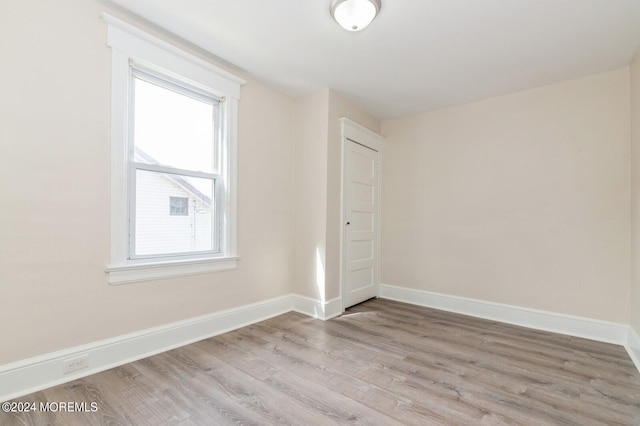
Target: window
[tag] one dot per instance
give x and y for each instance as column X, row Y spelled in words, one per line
column 174, row 120
column 172, row 135
column 179, row 206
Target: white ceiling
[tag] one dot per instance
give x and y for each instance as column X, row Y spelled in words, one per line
column 417, row 55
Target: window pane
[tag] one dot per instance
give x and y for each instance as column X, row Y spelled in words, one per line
column 174, row 214
column 179, row 206
column 172, row 129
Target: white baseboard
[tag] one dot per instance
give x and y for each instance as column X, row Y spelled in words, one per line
column 603, row 331
column 41, row 372
column 317, row 308
column 633, row 347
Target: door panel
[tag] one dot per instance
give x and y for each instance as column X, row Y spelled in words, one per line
column 362, row 250
column 361, row 221
column 361, row 213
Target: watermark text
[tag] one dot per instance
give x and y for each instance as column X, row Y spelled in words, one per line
column 52, row 407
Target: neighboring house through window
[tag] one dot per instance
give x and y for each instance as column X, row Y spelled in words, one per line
column 179, row 206
column 174, row 120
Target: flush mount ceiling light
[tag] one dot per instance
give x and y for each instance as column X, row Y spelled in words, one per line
column 354, row 15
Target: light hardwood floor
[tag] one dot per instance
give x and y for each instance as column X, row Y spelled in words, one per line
column 381, row 363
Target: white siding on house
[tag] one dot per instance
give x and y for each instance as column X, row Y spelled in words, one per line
column 159, row 232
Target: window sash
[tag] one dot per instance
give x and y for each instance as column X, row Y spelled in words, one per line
column 216, row 220
column 166, row 82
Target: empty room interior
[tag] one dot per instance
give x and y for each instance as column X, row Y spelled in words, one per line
column 252, row 212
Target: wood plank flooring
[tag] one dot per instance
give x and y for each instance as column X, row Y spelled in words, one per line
column 382, row 363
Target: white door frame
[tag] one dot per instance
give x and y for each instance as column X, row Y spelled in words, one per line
column 352, row 131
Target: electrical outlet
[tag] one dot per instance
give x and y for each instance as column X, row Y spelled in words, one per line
column 74, row 364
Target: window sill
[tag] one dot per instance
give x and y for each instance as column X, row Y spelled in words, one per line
column 125, row 274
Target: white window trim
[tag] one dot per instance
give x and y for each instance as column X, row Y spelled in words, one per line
column 129, row 43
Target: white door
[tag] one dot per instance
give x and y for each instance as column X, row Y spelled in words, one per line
column 361, row 223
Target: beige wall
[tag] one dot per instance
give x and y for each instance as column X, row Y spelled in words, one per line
column 635, row 192
column 521, row 199
column 310, row 195
column 54, row 169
